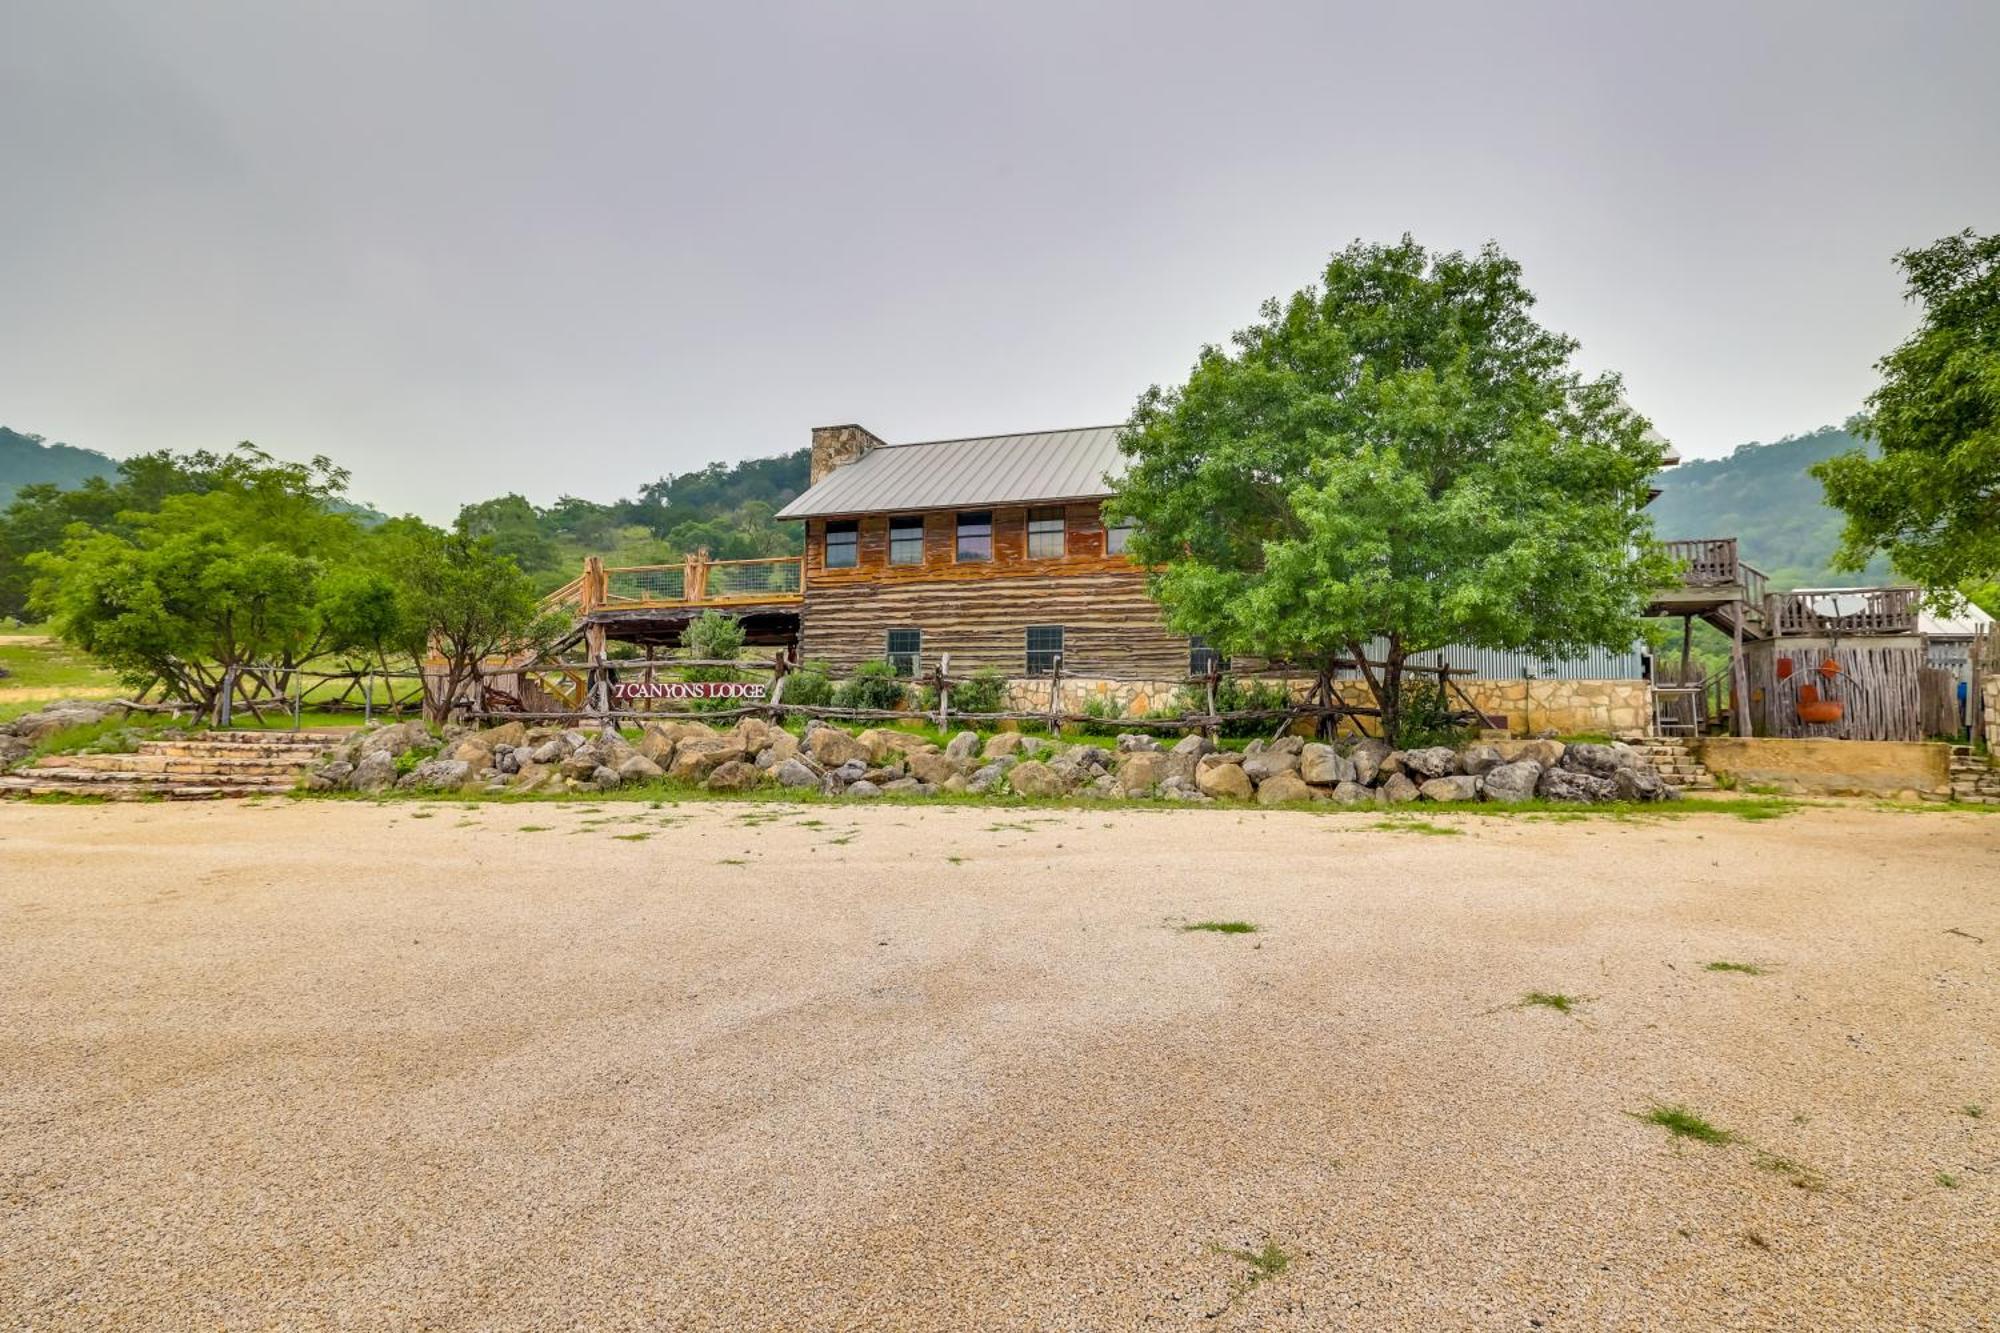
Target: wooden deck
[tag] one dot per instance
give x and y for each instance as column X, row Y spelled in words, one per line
column 695, row 584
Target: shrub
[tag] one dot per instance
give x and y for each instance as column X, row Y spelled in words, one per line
column 713, row 634
column 1104, row 718
column 1234, row 696
column 985, row 691
column 1427, row 718
column 811, row 684
column 873, row 685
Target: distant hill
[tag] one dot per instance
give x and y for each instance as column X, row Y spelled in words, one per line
column 1763, row 496
column 28, row 459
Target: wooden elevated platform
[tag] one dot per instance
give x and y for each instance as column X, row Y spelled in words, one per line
column 653, row 604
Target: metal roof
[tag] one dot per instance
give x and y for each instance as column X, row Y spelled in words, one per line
column 959, row 474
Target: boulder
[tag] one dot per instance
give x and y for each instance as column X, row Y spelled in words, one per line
column 1547, row 753
column 1034, row 778
column 507, row 733
column 1132, row 741
column 1194, row 743
column 1514, row 782
column 1281, row 787
column 1223, row 780
column 394, row 739
column 1462, row 787
column 876, row 741
column 796, row 772
column 638, row 768
column 1367, row 757
column 1140, row 771
column 752, row 733
column 883, row 774
column 964, row 746
column 1479, row 759
column 1435, row 761
column 375, row 771
column 1177, row 788
column 933, row 768
column 1324, row 766
column 1286, row 745
column 956, row 784
column 780, row 745
column 438, row 775
column 854, row 770
column 581, row 765
column 734, row 775
column 863, row 789
column 1568, row 784
column 1006, row 743
column 1353, row 793
column 1639, row 784
column 1599, row 760
column 551, row 751
column 1399, row 790
column 657, row 744
column 603, row 779
column 532, row 776
column 695, row 759
column 1263, row 765
column 12, row 749
column 988, row 777
column 831, row 747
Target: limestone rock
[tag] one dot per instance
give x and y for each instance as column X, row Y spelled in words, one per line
column 638, row 768
column 933, row 768
column 1194, row 743
column 1006, row 743
column 1463, row 787
column 1265, row 764
column 1435, row 761
column 1513, row 782
column 1279, row 787
column 438, row 775
column 1131, row 741
column 1034, row 778
column 1140, row 771
column 507, row 733
column 796, row 772
column 1399, row 790
column 1639, row 784
column 735, row 775
column 1601, row 761
column 963, row 746
column 1353, row 793
column 1479, row 759
column 375, row 771
column 695, row 759
column 863, row 789
column 1367, row 757
column 833, row 747
column 1223, row 780
column 1324, row 766
column 1568, row 784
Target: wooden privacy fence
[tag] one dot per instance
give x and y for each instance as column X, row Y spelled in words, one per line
column 590, row 693
column 1879, row 690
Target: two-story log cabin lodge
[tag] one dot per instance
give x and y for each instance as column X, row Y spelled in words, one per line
column 993, row 549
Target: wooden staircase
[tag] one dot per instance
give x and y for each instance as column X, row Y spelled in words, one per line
column 1675, row 762
column 183, row 768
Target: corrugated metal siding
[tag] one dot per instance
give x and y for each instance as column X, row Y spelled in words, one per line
column 1495, row 664
column 971, row 473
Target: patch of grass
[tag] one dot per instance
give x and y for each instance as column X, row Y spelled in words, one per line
column 1948, row 1180
column 423, row 814
column 1223, row 927
column 1797, row 1173
column 1556, row 1000
column 1745, row 969
column 533, row 828
column 1423, row 826
column 732, row 861
column 1265, row 1264
column 955, row 860
column 1972, row 1109
column 1683, row 1123
column 631, row 837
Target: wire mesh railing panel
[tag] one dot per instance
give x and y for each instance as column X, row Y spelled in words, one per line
column 772, row 577
column 648, row 583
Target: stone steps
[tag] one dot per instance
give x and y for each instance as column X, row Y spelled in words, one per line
column 200, row 767
column 1675, row 762
column 1974, row 778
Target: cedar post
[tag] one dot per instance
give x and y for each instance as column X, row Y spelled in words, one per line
column 1739, row 677
column 1055, row 696
column 1211, row 726
column 944, row 691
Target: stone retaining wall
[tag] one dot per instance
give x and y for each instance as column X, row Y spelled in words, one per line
column 1993, row 713
column 1567, row 707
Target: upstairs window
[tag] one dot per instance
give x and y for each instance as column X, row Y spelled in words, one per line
column 1202, row 659
column 1115, row 537
column 843, row 544
column 906, row 540
column 1045, row 533
column 975, row 535
column 1045, row 645
column 904, row 647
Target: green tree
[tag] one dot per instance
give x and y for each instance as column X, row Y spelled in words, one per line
column 1403, row 452
column 463, row 604
column 1931, row 500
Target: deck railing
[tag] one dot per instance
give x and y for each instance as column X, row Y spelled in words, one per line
column 1713, row 562
column 694, row 582
column 1861, row 611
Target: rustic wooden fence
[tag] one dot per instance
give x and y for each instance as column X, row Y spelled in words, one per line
column 1879, row 690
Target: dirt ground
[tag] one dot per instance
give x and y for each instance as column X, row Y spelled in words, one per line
column 341, row 1065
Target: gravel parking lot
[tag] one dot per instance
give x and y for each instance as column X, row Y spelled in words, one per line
column 354, row 1066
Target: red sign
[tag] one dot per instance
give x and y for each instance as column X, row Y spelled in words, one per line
column 748, row 690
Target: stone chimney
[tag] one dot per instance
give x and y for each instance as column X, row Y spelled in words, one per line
column 837, row 446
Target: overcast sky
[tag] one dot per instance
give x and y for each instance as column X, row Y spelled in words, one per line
column 490, row 246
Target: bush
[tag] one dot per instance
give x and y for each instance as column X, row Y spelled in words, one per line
column 1105, row 718
column 1426, row 719
column 984, row 691
column 873, row 685
column 1234, row 696
column 713, row 634
column 811, row 685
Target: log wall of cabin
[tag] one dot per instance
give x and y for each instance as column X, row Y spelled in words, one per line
column 979, row 611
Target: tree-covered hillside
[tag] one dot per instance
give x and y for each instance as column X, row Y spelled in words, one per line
column 28, row 459
column 1763, row 495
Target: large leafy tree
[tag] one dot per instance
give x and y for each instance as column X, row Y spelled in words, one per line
column 1931, row 500
column 1400, row 452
